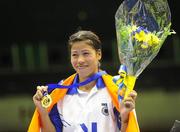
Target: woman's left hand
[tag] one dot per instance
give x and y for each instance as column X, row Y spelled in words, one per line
column 126, row 106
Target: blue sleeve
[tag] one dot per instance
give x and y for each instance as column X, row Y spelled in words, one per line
column 116, row 113
column 55, row 118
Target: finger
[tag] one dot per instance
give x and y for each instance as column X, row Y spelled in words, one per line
column 38, row 95
column 128, row 101
column 129, row 105
column 133, row 95
column 39, row 88
column 44, row 88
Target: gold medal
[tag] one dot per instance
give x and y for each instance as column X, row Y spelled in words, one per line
column 46, row 101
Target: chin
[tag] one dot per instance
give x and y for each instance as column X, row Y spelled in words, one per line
column 84, row 73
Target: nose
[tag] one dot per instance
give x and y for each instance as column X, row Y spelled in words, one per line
column 80, row 59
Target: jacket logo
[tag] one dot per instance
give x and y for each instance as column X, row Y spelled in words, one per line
column 104, row 109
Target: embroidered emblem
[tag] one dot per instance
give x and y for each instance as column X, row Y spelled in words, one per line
column 104, row 109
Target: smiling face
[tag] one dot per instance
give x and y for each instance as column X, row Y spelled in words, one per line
column 84, row 59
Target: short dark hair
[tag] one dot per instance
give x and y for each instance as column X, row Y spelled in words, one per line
column 83, row 35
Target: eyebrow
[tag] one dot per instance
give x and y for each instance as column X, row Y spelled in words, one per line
column 81, row 50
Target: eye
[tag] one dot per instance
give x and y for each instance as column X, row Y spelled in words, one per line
column 86, row 53
column 74, row 54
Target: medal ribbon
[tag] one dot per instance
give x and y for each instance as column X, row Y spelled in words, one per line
column 90, row 79
column 46, row 100
column 124, row 82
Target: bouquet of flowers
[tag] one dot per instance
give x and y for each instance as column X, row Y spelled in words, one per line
column 142, row 27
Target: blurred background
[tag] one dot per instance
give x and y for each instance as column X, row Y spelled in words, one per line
column 33, row 51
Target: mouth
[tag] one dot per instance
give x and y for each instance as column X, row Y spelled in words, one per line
column 81, row 67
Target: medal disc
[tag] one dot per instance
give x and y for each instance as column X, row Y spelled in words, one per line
column 46, row 101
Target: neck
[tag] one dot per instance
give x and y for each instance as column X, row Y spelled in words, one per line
column 88, row 87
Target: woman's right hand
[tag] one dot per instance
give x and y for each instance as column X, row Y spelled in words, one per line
column 47, row 125
column 38, row 97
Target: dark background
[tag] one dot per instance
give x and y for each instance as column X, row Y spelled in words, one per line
column 54, row 21
column 33, row 45
column 31, row 25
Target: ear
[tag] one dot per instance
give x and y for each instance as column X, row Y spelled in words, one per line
column 99, row 54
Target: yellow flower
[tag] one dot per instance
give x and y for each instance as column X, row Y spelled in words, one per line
column 152, row 39
column 144, row 45
column 145, row 37
column 141, row 36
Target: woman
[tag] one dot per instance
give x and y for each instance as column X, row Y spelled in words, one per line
column 90, row 107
